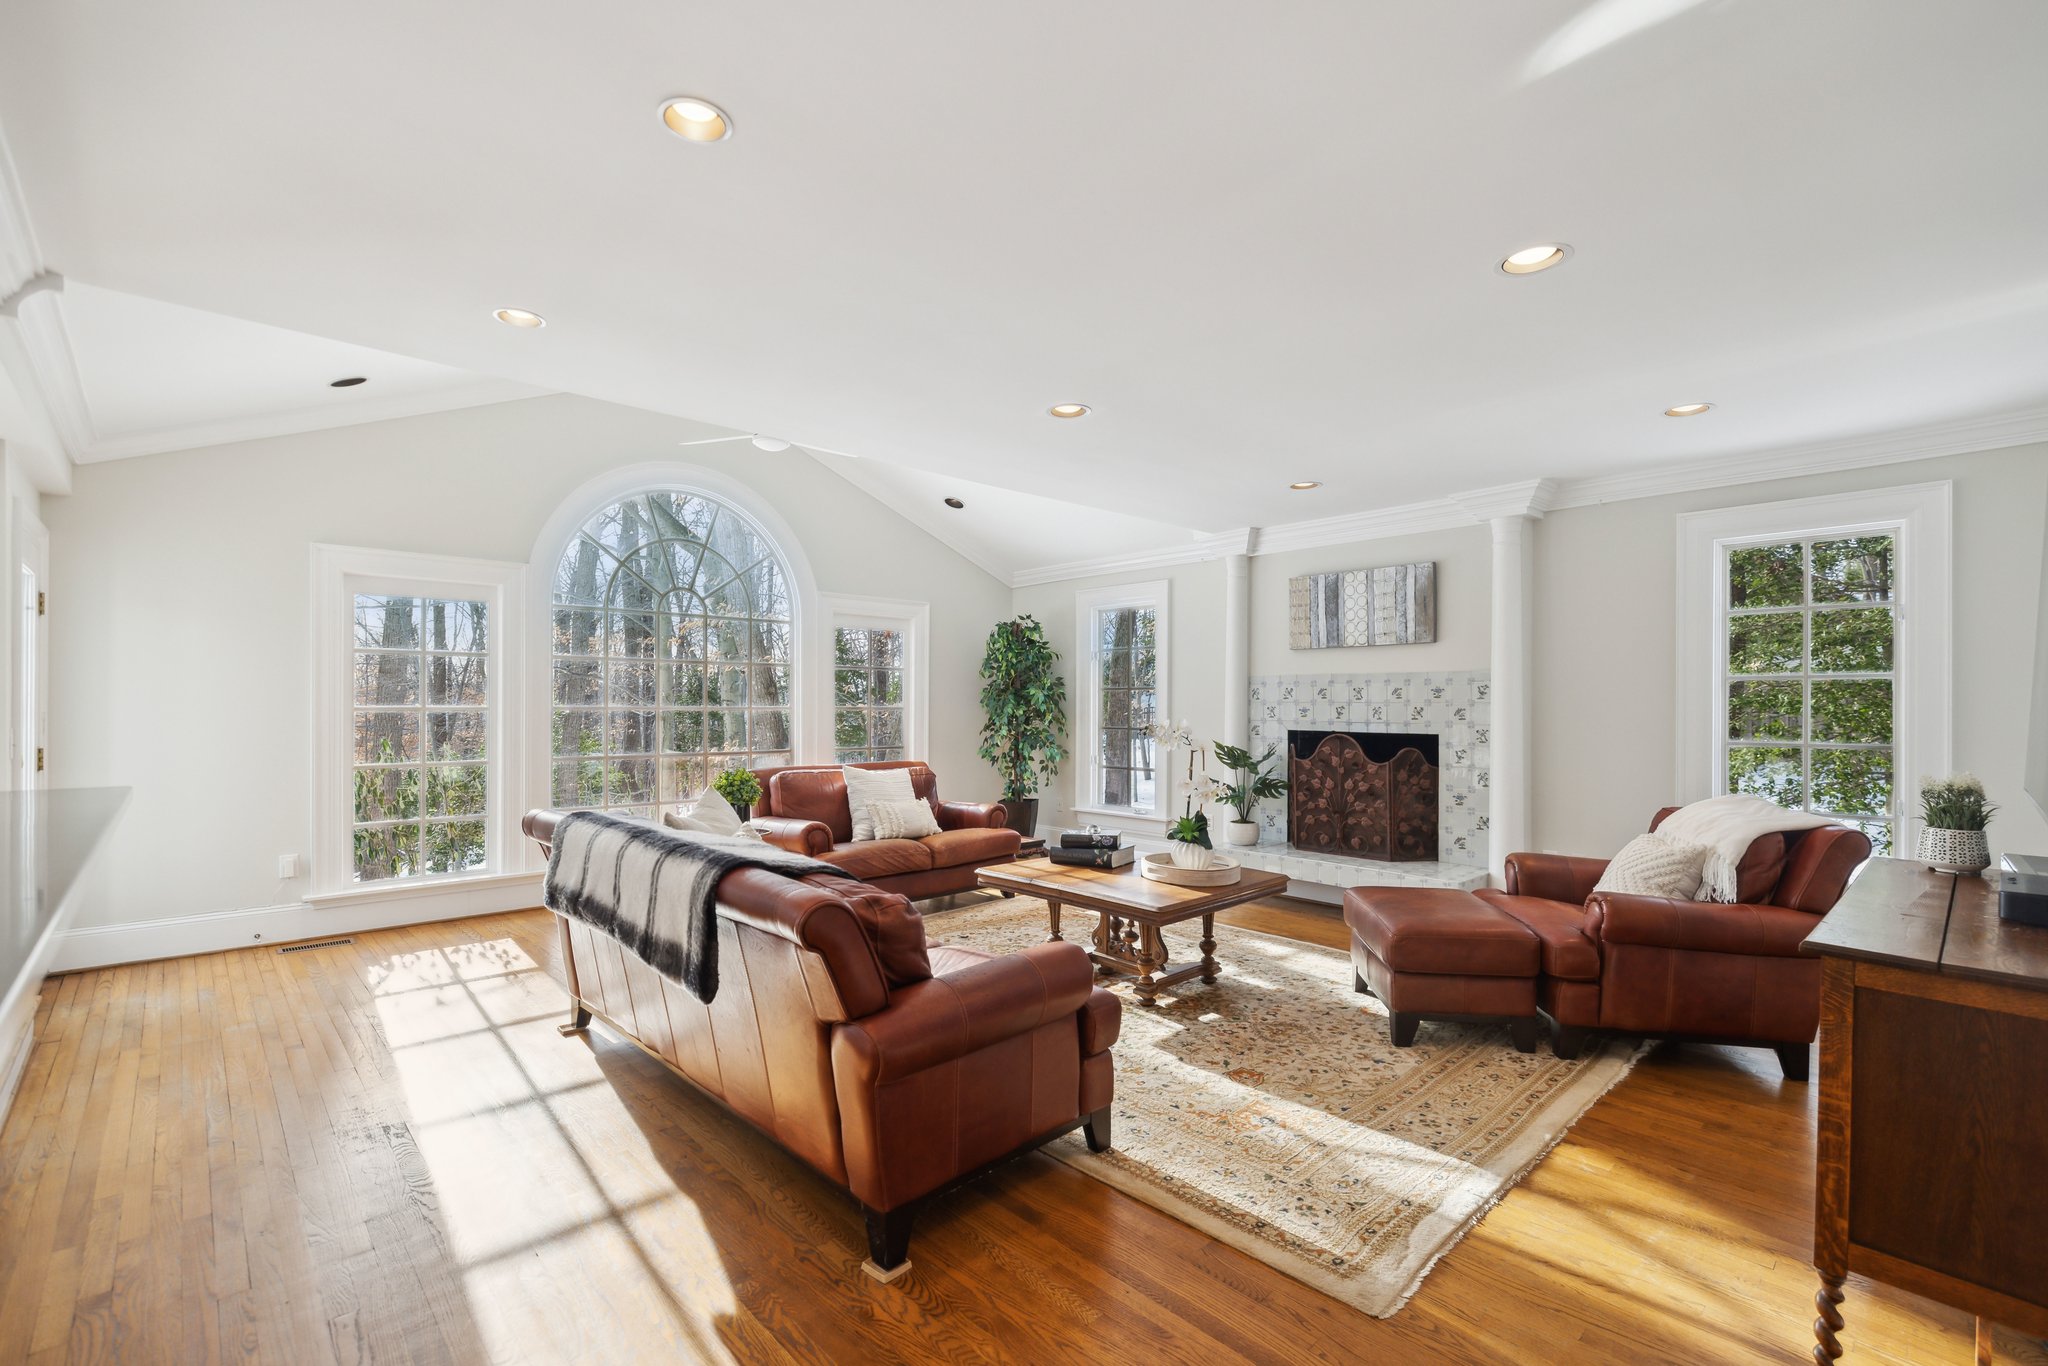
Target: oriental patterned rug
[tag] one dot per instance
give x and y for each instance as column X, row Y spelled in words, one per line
column 1272, row 1112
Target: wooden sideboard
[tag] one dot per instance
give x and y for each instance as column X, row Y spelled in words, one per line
column 1932, row 1155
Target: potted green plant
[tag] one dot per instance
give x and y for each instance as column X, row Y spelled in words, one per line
column 1024, row 700
column 1252, row 781
column 1956, row 813
column 739, row 787
column 1190, row 838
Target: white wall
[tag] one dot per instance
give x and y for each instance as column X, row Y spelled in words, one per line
column 1464, row 604
column 1195, row 630
column 1605, row 672
column 182, row 663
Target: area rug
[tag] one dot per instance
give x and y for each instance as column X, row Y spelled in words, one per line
column 1271, row 1111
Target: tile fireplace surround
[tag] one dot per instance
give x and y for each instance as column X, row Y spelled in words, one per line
column 1454, row 707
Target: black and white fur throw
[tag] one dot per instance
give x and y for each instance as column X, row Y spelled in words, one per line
column 654, row 889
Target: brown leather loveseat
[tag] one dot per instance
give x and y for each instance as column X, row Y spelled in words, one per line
column 803, row 809
column 1695, row 970
column 895, row 1069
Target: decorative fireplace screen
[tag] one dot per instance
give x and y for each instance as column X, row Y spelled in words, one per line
column 1365, row 794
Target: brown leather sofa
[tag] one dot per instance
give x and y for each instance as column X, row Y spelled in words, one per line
column 803, row 809
column 1692, row 970
column 894, row 1069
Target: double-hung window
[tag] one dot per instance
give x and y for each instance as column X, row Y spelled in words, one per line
column 1814, row 654
column 878, row 678
column 1810, row 684
column 413, row 690
column 1122, row 646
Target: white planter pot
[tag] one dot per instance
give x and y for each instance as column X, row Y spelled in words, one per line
column 1191, row 855
column 1241, row 832
column 1955, row 851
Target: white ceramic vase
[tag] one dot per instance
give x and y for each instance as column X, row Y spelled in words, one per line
column 1241, row 832
column 1190, row 855
column 1955, row 851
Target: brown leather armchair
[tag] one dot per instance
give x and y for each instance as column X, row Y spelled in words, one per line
column 1700, row 971
column 803, row 809
column 896, row 1070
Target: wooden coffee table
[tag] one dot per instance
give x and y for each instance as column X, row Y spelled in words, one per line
column 1130, row 911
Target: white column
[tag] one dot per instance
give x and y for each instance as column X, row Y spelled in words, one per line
column 1513, row 561
column 1237, row 650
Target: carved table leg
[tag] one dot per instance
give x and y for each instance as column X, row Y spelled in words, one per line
column 1151, row 958
column 1827, row 1347
column 1209, row 948
column 1054, row 908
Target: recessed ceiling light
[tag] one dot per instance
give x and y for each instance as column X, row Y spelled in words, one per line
column 695, row 120
column 770, row 443
column 1529, row 260
column 519, row 317
column 1303, row 485
column 1687, row 410
column 955, row 503
column 1068, row 410
column 351, row 382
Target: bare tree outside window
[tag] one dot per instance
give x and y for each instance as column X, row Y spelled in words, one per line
column 1127, row 673
column 674, row 653
column 421, row 714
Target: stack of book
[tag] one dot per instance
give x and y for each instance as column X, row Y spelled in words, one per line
column 1092, row 848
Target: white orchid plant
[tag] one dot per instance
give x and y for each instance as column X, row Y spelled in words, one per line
column 1198, row 790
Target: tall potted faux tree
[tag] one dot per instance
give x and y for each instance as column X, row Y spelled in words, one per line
column 1025, row 702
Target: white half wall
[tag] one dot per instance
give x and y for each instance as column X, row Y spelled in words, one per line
column 182, row 663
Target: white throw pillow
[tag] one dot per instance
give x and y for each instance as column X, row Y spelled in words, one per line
column 866, row 786
column 712, row 815
column 911, row 820
column 1650, row 865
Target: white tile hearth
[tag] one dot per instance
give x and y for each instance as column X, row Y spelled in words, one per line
column 1456, row 707
column 1335, row 870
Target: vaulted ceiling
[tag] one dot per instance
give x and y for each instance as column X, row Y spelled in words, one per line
column 1260, row 241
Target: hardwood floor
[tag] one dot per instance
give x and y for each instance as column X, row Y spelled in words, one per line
column 384, row 1152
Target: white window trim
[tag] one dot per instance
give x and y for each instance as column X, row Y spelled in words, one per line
column 1919, row 516
column 1155, row 594
column 913, row 620
column 812, row 705
column 339, row 573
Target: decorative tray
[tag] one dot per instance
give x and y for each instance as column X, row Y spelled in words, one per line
column 1221, row 872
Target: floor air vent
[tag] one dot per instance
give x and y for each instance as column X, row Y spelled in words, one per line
column 316, row 944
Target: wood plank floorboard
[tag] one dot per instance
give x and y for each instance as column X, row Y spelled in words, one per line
column 383, row 1152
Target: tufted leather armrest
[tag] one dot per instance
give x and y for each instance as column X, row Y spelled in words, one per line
column 1702, row 926
column 948, row 1017
column 972, row 815
column 796, row 835
column 1554, row 877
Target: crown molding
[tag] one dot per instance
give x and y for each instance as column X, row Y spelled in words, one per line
column 951, row 537
column 1529, row 498
column 1219, row 546
column 1960, row 437
column 1437, row 514
column 256, row 427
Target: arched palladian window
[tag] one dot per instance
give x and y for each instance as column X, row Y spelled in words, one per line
column 674, row 653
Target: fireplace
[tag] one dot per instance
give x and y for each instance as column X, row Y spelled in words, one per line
column 1367, row 794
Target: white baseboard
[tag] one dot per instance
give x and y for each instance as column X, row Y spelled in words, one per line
column 17, row 1053
column 141, row 941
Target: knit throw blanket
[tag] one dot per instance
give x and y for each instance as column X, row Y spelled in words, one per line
column 1727, row 826
column 654, row 889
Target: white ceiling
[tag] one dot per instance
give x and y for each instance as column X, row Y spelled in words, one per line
column 1260, row 240
column 155, row 377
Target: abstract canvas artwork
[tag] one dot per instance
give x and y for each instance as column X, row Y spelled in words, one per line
column 1391, row 605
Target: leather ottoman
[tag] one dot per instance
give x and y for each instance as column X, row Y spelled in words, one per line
column 1430, row 953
